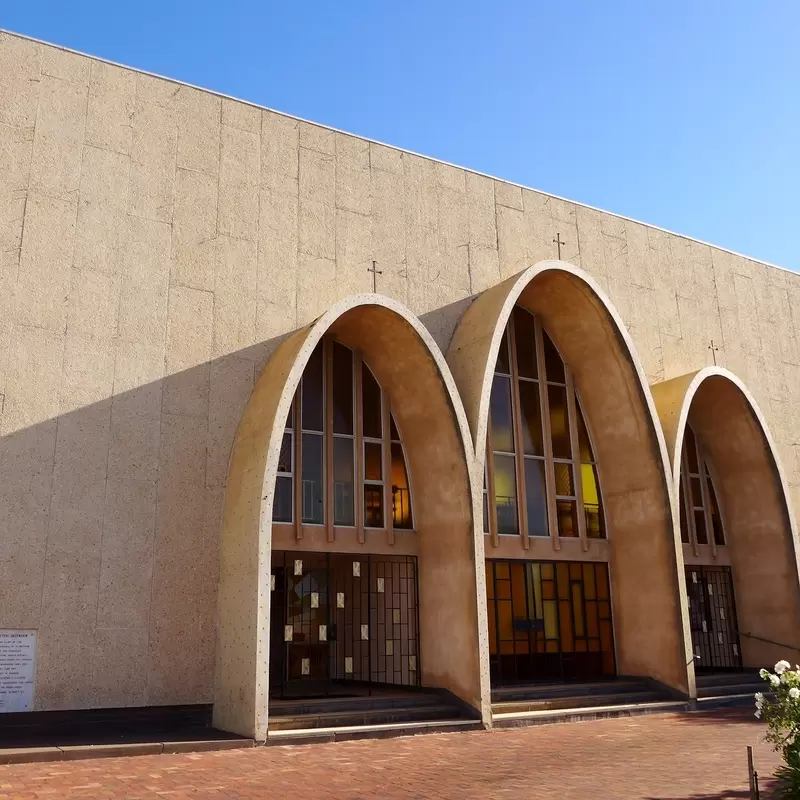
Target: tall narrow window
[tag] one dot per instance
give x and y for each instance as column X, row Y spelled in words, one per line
column 503, row 446
column 340, row 405
column 343, row 437
column 312, row 392
column 372, row 432
column 701, row 521
column 401, row 490
column 284, row 483
column 539, row 444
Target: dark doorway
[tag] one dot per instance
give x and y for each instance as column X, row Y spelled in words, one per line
column 549, row 621
column 341, row 623
column 712, row 619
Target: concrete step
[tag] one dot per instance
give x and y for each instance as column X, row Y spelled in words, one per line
column 533, row 691
column 518, row 719
column 705, row 679
column 325, row 705
column 732, row 689
column 378, row 731
column 576, row 701
column 379, row 716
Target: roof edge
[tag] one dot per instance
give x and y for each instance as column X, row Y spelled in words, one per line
column 396, row 147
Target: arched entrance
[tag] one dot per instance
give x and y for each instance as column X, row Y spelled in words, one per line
column 549, row 606
column 345, row 611
column 738, row 532
column 415, row 384
column 636, row 540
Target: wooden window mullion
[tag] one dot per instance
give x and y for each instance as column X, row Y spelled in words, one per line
column 519, row 461
column 298, row 465
column 549, row 470
column 490, row 486
column 577, row 474
column 701, row 466
column 359, row 455
column 328, row 434
column 388, row 514
column 688, row 506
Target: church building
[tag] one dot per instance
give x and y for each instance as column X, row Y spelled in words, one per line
column 300, row 432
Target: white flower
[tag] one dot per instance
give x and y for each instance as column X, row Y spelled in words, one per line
column 787, row 676
column 781, row 667
column 794, row 693
column 759, row 701
column 763, row 673
column 775, row 681
column 758, row 715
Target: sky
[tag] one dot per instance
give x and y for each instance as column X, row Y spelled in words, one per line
column 680, row 113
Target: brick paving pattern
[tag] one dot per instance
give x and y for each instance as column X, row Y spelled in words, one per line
column 691, row 757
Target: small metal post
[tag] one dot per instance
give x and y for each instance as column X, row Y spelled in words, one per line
column 752, row 775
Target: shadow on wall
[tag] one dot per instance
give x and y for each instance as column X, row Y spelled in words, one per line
column 110, row 520
column 442, row 322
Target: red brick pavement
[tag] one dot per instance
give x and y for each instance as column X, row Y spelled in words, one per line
column 697, row 757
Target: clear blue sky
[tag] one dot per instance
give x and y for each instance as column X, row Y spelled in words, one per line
column 681, row 113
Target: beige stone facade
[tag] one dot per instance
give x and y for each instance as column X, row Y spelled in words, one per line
column 158, row 246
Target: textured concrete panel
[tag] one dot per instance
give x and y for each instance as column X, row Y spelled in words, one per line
column 234, row 300
column 194, row 230
column 119, row 668
column 153, row 152
column 127, row 554
column 19, row 80
column 239, row 177
column 112, row 98
column 43, row 281
column 198, row 118
column 190, row 334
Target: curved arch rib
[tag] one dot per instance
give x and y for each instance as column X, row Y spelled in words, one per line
column 409, row 366
column 651, row 624
column 760, row 528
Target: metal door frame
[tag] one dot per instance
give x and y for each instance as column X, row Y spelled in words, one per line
column 723, row 651
column 355, row 595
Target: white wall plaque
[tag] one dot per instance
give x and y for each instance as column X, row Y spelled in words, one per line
column 305, row 666
column 339, row 599
column 17, row 670
column 381, row 586
column 365, row 632
column 389, row 647
column 314, row 599
column 348, row 665
column 323, row 633
column 298, row 567
column 357, row 569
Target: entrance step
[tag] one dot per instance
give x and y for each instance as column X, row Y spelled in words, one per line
column 728, row 688
column 379, row 713
column 516, row 719
column 378, row 731
column 536, row 704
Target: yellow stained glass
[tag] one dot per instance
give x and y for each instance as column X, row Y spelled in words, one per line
column 590, row 494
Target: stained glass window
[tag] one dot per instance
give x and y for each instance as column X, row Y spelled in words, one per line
column 701, row 520
column 342, row 456
column 539, row 445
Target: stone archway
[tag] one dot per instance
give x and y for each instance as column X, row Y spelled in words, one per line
column 651, row 627
column 760, row 529
column 409, row 366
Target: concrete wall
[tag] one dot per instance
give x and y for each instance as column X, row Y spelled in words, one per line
column 157, row 242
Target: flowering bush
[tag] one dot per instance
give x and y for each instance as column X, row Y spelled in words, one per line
column 781, row 712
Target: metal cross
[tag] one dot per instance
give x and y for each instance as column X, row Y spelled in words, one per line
column 714, row 350
column 558, row 242
column 375, row 272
